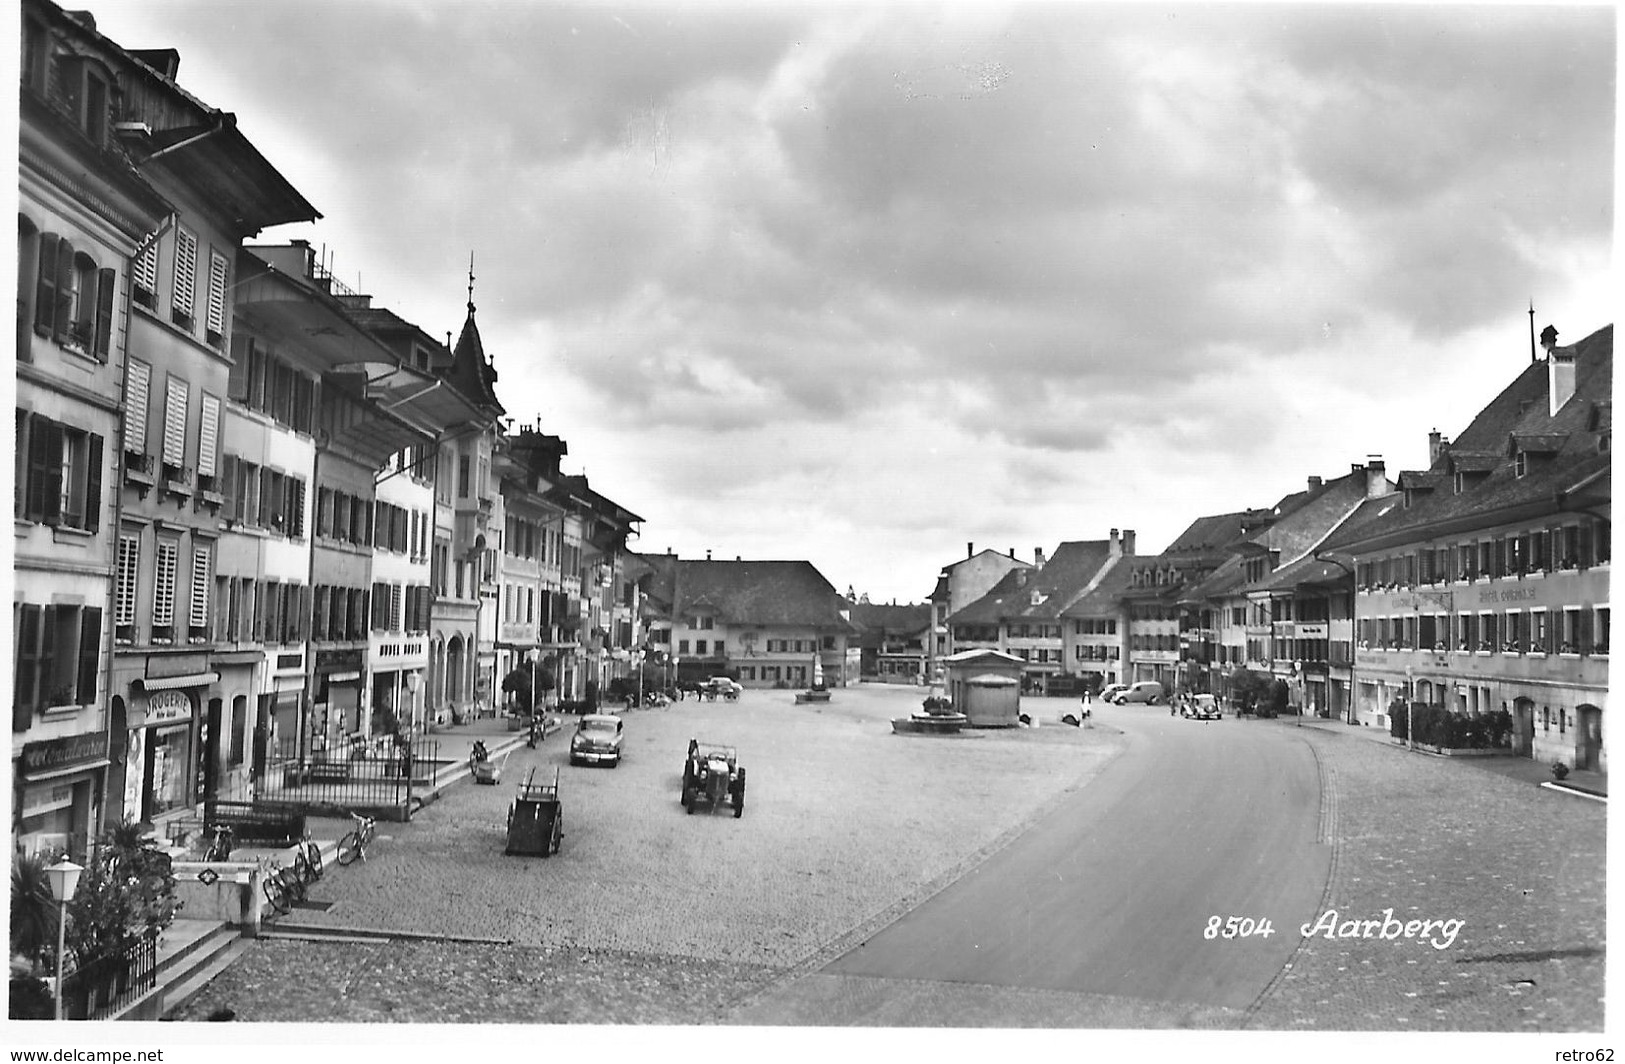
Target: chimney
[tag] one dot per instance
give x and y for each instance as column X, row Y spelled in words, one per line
column 708, row 554
column 1038, row 557
column 1128, row 541
column 1314, row 482
column 1012, row 553
column 1376, row 477
column 970, row 550
column 1113, row 548
column 1559, row 371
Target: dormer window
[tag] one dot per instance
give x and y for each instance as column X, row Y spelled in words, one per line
column 1520, row 464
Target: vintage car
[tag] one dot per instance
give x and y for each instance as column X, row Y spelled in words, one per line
column 1147, row 691
column 712, row 775
column 721, row 687
column 597, row 740
column 1110, row 692
column 1201, row 707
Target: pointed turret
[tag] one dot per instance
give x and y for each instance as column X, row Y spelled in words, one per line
column 471, row 372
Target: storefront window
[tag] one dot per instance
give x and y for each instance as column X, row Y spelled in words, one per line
column 169, row 764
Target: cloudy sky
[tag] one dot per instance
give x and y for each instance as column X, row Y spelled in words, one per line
column 862, row 283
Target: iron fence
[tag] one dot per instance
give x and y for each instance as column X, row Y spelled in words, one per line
column 381, row 773
column 103, row 985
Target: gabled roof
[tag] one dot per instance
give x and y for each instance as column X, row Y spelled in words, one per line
column 991, row 608
column 982, row 554
column 1498, row 493
column 764, row 593
column 1104, row 598
column 891, row 618
column 1216, row 533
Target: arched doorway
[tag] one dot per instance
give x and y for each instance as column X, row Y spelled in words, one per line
column 455, row 681
column 1588, row 738
column 1523, row 727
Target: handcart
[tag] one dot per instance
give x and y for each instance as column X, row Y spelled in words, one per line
column 535, row 820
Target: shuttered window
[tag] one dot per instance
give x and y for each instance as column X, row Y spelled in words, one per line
column 181, row 299
column 216, row 321
column 395, row 618
column 129, row 573
column 208, row 439
column 137, row 395
column 106, row 287
column 198, row 616
column 175, row 422
column 145, row 275
column 163, row 583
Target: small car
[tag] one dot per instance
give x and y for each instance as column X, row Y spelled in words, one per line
column 597, row 740
column 1147, row 691
column 1202, row 707
column 1110, row 692
column 721, row 687
column 712, row 774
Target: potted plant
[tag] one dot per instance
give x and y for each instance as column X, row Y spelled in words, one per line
column 1560, row 770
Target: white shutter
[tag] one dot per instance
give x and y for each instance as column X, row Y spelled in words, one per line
column 163, row 584
column 185, row 271
column 137, row 396
column 395, row 622
column 129, row 561
column 146, row 268
column 175, row 422
column 217, row 293
column 208, row 437
column 200, row 587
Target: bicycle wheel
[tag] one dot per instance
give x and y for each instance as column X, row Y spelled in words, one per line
column 276, row 895
column 349, row 848
column 302, row 874
column 313, row 857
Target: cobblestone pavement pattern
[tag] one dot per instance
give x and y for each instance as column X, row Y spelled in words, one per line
column 648, row 916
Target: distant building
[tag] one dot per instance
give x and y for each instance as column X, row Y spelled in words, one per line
column 892, row 641
column 958, row 585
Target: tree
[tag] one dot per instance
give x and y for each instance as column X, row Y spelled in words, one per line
column 1248, row 687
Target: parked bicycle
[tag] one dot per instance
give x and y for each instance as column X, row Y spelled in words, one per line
column 283, row 888
column 354, row 844
column 312, row 855
column 219, row 848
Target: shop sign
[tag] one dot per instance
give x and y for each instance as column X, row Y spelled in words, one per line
column 338, row 660
column 51, row 755
column 168, row 707
column 1312, row 631
column 187, row 665
column 37, row 800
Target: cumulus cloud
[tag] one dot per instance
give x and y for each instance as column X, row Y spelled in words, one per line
column 888, row 277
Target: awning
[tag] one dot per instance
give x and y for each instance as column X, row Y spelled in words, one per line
column 170, row 683
column 71, row 770
column 344, row 677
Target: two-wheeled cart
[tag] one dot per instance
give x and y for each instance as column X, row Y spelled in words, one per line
column 536, row 819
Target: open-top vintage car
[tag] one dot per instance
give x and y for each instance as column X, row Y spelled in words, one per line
column 712, row 775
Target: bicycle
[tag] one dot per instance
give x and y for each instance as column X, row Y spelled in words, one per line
column 355, row 843
column 312, row 855
column 282, row 887
column 219, row 848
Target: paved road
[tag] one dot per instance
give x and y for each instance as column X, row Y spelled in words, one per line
column 1111, row 892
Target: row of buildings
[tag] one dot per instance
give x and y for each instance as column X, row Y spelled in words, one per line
column 1479, row 584
column 259, row 518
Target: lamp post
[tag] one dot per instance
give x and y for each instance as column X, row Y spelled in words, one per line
column 1410, row 703
column 64, row 880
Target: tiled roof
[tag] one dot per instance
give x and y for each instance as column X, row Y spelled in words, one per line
column 1102, row 599
column 1213, row 534
column 992, row 607
column 1065, row 576
column 748, row 592
column 1522, row 408
column 891, row 618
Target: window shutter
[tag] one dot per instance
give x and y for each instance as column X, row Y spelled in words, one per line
column 62, row 323
column 137, row 395
column 163, row 584
column 185, row 271
column 228, row 487
column 93, row 484
column 129, row 566
column 106, row 285
column 296, row 508
column 90, row 646
column 303, row 625
column 208, row 436
column 199, row 616
column 218, row 269
column 52, row 512
column 237, row 382
column 146, row 269
column 45, row 285
column 1587, row 558
column 175, row 421
column 30, row 626
column 396, row 619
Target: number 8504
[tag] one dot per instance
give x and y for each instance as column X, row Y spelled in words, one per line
column 1237, row 927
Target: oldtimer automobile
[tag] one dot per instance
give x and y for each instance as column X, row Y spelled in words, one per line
column 597, row 740
column 1202, row 707
column 712, row 775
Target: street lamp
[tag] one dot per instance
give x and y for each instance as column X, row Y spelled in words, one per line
column 64, row 880
column 1410, row 703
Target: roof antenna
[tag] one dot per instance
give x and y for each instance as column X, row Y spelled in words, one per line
column 1532, row 357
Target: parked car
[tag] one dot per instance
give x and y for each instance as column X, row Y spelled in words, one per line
column 1110, row 692
column 1147, row 691
column 1202, row 707
column 597, row 740
column 721, row 686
